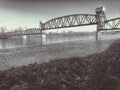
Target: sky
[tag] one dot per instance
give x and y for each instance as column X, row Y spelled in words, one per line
column 28, row 13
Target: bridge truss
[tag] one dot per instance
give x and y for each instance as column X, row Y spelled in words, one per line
column 69, row 21
column 112, row 24
column 74, row 20
column 30, row 31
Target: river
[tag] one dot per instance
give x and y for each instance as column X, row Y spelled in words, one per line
column 35, row 40
column 18, row 51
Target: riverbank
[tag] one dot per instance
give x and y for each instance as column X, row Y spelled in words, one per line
column 94, row 72
column 27, row 55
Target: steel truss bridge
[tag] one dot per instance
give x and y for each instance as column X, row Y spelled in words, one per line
column 112, row 24
column 74, row 20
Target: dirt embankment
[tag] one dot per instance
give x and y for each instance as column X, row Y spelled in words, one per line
column 105, row 74
column 94, row 72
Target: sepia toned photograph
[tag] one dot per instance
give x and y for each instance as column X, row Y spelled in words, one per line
column 59, row 44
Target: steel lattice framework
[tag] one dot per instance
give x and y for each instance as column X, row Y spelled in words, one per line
column 60, row 22
column 112, row 24
column 74, row 20
column 30, row 31
column 69, row 21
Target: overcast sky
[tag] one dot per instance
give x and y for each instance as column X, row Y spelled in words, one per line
column 28, row 13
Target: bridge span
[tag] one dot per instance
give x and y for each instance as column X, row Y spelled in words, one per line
column 75, row 20
column 69, row 21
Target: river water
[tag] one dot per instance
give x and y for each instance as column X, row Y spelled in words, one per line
column 49, row 48
column 35, row 40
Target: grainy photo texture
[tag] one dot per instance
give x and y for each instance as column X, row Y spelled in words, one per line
column 59, row 45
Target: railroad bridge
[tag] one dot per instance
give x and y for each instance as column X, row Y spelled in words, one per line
column 74, row 20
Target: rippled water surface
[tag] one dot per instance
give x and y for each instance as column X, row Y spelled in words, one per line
column 33, row 40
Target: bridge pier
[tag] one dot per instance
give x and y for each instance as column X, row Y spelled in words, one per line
column 42, row 39
column 100, row 18
column 98, row 35
column 42, row 28
column 24, row 39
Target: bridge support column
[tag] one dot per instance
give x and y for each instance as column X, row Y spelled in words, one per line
column 42, row 28
column 100, row 18
column 41, row 38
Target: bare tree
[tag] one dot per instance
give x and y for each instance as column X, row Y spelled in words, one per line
column 3, row 30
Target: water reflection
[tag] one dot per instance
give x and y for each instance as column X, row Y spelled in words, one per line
column 33, row 40
column 98, row 44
